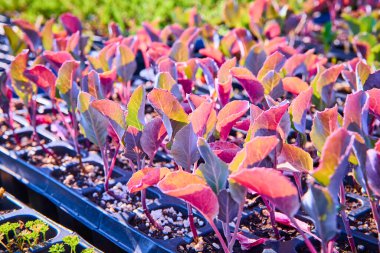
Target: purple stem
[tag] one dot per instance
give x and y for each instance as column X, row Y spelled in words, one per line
column 272, row 218
column 306, row 239
column 147, row 212
column 76, row 134
column 110, row 170
column 297, row 179
column 217, row 233
column 191, row 221
column 237, row 224
column 345, row 219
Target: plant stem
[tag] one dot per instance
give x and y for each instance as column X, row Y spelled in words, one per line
column 147, row 212
column 76, row 134
column 345, row 219
column 103, row 152
column 110, row 170
column 298, row 180
column 330, row 246
column 191, row 221
column 375, row 213
column 237, row 224
column 217, row 233
column 272, row 218
column 306, row 239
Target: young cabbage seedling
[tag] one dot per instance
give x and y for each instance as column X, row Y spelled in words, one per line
column 72, row 241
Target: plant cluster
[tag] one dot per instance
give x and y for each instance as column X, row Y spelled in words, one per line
column 72, row 241
column 19, row 236
column 251, row 111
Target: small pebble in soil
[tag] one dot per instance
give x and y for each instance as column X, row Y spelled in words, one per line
column 170, row 219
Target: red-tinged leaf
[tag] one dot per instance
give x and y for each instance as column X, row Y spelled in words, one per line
column 224, row 83
column 374, row 101
column 189, row 35
column 214, row 54
column 21, row 85
column 145, row 178
column 325, row 80
column 256, row 10
column 324, row 123
column 125, row 62
column 377, row 146
column 373, row 81
column 228, row 116
column 94, row 124
column 295, row 65
column 272, row 185
column 200, row 116
column 284, row 220
column 350, row 78
column 268, row 122
column 333, row 164
column 225, row 150
column 43, row 77
column 373, row 170
column 33, row 38
column 167, row 65
column 91, row 84
column 209, row 69
column 107, row 80
column 132, row 143
column 179, row 52
column 57, row 58
column 65, row 83
column 356, row 112
column 193, row 189
column 151, row 31
column 171, row 111
column 152, row 137
column 196, row 100
column 253, row 152
column 184, row 149
column 272, row 29
column 274, row 62
column 299, row 108
column 115, row 114
column 252, row 86
column 248, row 243
column 71, row 23
column 294, row 159
column 243, row 124
column 255, row 58
column 187, row 85
column 294, row 85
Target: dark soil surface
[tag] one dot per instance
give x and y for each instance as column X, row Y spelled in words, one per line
column 47, row 160
column 26, row 142
column 364, row 224
column 258, row 223
column 4, row 126
column 174, row 223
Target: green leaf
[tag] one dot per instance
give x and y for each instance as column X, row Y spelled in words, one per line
column 320, row 205
column 136, row 109
column 214, row 170
column 66, row 84
column 95, row 125
column 16, row 44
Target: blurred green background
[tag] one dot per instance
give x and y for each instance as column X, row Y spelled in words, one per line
column 127, row 13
